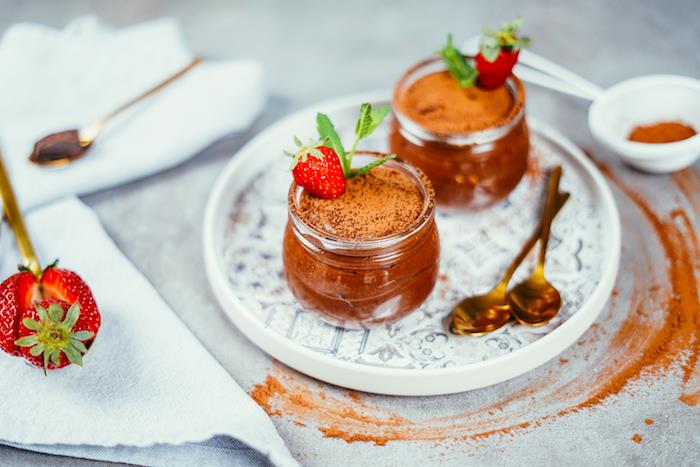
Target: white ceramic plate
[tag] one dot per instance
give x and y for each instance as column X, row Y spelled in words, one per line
column 243, row 227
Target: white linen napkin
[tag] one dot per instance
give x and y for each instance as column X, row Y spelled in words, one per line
column 146, row 381
column 56, row 79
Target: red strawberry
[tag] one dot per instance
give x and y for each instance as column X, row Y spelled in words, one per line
column 15, row 296
column 58, row 287
column 493, row 74
column 498, row 53
column 319, row 171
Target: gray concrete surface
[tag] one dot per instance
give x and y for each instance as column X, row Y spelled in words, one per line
column 317, row 50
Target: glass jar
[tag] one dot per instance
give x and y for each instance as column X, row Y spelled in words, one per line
column 363, row 284
column 469, row 170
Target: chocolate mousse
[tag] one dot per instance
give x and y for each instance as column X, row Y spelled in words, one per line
column 436, row 104
column 462, row 120
column 361, row 246
column 368, row 257
column 381, row 203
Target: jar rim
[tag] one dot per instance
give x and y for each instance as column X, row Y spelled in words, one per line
column 335, row 243
column 516, row 113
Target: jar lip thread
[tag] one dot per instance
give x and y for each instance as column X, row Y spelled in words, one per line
column 333, row 242
column 467, row 138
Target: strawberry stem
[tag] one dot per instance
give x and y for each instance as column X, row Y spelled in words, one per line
column 53, row 335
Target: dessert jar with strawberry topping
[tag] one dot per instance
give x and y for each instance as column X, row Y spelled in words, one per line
column 369, row 256
column 467, row 131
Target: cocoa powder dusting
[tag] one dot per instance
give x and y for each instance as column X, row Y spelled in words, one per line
column 656, row 336
column 661, row 132
column 438, row 104
column 381, row 203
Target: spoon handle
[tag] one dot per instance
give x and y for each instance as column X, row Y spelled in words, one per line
column 548, row 216
column 16, row 221
column 561, row 200
column 538, row 62
column 89, row 133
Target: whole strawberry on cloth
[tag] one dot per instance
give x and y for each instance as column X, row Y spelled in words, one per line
column 321, row 167
column 498, row 53
column 50, row 318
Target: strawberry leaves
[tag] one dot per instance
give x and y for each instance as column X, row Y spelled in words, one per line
column 505, row 38
column 303, row 151
column 457, row 65
column 53, row 335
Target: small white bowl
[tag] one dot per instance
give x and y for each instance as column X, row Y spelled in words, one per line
column 646, row 100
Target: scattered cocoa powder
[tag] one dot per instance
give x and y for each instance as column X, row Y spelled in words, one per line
column 658, row 337
column 637, row 438
column 381, row 203
column 690, row 399
column 438, row 104
column 661, row 132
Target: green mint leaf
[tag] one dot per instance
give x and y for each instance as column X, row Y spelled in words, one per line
column 378, row 115
column 368, row 121
column 457, row 65
column 326, row 131
column 364, row 121
column 375, row 163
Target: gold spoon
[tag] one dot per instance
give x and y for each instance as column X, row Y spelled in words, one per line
column 535, row 301
column 60, row 149
column 481, row 314
column 16, row 221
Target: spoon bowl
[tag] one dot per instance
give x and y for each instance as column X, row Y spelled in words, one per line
column 61, row 148
column 481, row 314
column 534, row 302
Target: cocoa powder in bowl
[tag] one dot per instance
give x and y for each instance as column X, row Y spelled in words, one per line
column 380, row 203
column 661, row 132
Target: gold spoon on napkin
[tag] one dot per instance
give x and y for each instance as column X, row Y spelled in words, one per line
column 62, row 148
column 481, row 314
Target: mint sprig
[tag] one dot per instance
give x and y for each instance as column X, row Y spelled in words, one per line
column 457, row 65
column 369, row 120
column 375, row 163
